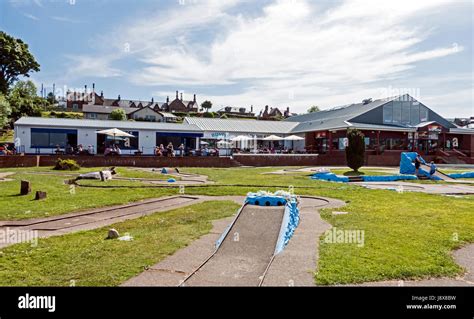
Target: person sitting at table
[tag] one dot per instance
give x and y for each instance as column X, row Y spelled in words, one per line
column 58, row 150
column 108, row 151
column 181, row 150
column 205, row 151
column 158, row 151
column 117, row 150
column 79, row 149
column 170, row 149
column 90, row 150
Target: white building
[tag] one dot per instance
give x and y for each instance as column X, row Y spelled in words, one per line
column 37, row 135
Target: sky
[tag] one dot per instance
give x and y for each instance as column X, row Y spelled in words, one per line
column 281, row 53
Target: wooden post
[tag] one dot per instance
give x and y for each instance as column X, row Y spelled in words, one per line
column 25, row 188
column 40, row 195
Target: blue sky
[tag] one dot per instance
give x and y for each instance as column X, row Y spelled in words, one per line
column 282, row 53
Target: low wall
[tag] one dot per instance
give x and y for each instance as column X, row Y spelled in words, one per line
column 277, row 159
column 107, row 161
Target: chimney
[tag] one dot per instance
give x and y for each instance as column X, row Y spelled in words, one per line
column 152, row 100
column 102, row 94
column 251, row 109
column 168, row 99
column 194, row 98
column 85, row 88
column 176, row 94
column 266, row 108
column 181, row 97
column 118, row 97
column 93, row 87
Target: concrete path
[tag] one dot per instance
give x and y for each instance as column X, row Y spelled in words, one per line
column 3, row 176
column 245, row 253
column 294, row 266
column 100, row 217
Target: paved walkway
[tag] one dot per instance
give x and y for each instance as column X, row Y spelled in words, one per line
column 294, row 266
column 101, row 217
column 3, row 176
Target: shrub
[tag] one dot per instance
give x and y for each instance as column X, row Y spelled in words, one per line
column 208, row 115
column 355, row 151
column 66, row 165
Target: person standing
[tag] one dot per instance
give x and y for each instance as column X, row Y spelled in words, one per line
column 417, row 164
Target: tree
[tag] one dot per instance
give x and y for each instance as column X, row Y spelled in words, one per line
column 15, row 60
column 355, row 151
column 5, row 111
column 206, row 105
column 118, row 115
column 313, row 109
column 24, row 101
column 51, row 98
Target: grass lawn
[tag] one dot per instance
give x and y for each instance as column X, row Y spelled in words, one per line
column 61, row 198
column 407, row 235
column 90, row 260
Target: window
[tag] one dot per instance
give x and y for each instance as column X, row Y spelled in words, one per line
column 150, row 118
column 406, row 112
column 125, row 143
column 415, row 114
column 397, row 112
column 75, row 106
column 388, row 113
column 49, row 138
column 93, row 115
column 423, row 113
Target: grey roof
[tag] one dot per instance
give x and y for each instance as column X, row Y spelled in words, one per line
column 241, row 126
column 333, row 118
column 366, row 126
column 101, row 124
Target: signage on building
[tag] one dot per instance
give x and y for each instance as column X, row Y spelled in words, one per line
column 434, row 128
column 215, row 135
column 320, row 134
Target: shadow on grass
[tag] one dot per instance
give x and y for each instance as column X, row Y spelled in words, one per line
column 352, row 173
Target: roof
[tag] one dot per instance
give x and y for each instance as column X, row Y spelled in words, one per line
column 241, row 126
column 334, row 118
column 101, row 124
column 166, row 114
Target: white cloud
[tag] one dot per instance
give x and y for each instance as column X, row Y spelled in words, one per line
column 30, row 16
column 294, row 53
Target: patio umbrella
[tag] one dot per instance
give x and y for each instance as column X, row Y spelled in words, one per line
column 115, row 132
column 241, row 138
column 224, row 144
column 293, row 138
column 273, row 138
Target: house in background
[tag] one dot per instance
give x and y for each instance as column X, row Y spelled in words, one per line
column 148, row 114
column 178, row 105
column 274, row 114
